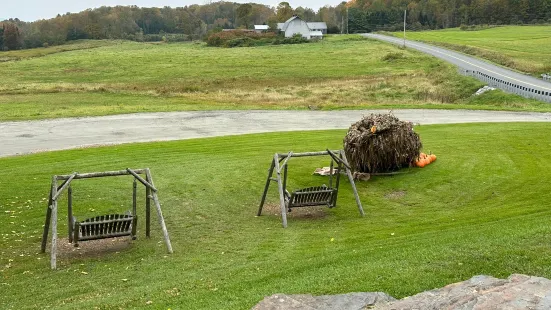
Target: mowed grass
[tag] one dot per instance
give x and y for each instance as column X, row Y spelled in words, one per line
column 482, row 208
column 341, row 72
column 523, row 48
column 69, row 46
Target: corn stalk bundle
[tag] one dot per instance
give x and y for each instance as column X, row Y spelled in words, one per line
column 381, row 143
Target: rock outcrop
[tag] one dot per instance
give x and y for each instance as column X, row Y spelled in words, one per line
column 518, row 292
column 352, row 301
column 482, row 292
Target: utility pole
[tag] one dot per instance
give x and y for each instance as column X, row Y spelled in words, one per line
column 405, row 12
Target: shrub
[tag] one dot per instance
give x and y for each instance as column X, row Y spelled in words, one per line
column 220, row 38
column 240, row 38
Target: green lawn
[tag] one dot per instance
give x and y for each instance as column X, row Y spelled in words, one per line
column 340, row 72
column 481, row 208
column 519, row 47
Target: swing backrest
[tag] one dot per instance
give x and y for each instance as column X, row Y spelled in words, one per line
column 313, row 196
column 104, row 226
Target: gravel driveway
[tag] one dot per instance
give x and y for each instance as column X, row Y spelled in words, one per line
column 66, row 133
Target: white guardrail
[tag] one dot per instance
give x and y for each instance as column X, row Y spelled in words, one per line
column 511, row 87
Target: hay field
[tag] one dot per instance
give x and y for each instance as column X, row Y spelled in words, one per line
column 114, row 77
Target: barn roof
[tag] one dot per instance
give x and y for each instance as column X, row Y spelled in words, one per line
column 286, row 24
column 317, row 25
column 312, row 25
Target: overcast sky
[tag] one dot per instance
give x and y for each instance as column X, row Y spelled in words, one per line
column 30, row 10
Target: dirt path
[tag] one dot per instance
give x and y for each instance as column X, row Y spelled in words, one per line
column 35, row 136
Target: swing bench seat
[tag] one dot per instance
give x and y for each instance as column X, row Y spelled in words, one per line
column 312, row 196
column 104, row 226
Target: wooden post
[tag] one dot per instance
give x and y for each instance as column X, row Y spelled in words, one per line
column 134, row 202
column 285, row 177
column 47, row 222
column 147, row 212
column 268, row 180
column 331, row 174
column 351, row 180
column 281, row 194
column 70, row 213
column 337, row 183
column 159, row 212
column 53, row 254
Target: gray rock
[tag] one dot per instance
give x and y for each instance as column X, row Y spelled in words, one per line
column 518, row 292
column 483, row 90
column 351, row 301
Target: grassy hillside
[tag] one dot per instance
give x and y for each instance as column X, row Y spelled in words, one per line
column 523, row 48
column 342, row 72
column 481, row 208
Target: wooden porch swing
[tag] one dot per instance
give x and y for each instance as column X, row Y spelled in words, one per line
column 310, row 196
column 102, row 226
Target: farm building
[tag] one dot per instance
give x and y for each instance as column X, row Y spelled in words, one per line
column 295, row 25
column 261, row 28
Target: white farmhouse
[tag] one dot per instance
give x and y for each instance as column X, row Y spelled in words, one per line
column 295, row 25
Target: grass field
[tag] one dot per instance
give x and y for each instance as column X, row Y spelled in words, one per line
column 523, row 48
column 481, row 208
column 125, row 77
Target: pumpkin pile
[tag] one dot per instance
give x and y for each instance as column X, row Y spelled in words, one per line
column 424, row 160
column 381, row 143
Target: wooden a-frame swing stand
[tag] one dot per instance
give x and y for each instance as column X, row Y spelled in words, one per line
column 311, row 196
column 105, row 226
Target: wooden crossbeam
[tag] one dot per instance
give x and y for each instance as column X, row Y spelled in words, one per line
column 100, row 174
column 64, row 186
column 306, row 154
column 139, row 178
column 338, row 159
column 282, row 164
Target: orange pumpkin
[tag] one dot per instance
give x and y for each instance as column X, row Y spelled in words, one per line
column 432, row 157
column 427, row 161
column 373, row 129
column 420, row 163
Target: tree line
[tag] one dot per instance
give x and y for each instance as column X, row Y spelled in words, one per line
column 192, row 22
column 371, row 15
column 195, row 22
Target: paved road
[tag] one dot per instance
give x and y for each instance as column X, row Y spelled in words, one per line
column 35, row 136
column 508, row 80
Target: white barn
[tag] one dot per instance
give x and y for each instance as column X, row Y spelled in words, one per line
column 295, row 25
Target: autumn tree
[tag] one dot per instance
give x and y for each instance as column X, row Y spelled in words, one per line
column 244, row 12
column 2, row 37
column 284, row 11
column 12, row 39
